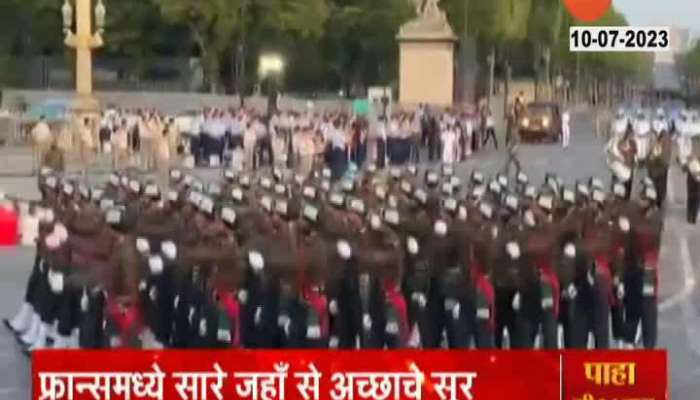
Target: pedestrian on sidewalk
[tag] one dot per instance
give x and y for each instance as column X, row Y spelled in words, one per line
column 490, row 129
column 41, row 142
column 565, row 129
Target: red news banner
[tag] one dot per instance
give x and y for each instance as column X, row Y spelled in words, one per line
column 349, row 375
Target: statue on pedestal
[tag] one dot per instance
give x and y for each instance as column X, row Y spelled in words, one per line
column 430, row 21
column 428, row 9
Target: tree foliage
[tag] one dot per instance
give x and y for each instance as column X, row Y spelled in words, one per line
column 329, row 44
column 690, row 62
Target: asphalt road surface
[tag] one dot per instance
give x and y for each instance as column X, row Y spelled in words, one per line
column 679, row 320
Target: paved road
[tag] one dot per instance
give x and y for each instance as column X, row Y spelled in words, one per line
column 679, row 320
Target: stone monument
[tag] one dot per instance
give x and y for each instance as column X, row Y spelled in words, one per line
column 426, row 59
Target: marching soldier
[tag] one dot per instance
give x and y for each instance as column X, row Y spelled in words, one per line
column 658, row 163
column 693, row 185
column 622, row 151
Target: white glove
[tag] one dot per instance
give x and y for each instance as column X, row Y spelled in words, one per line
column 258, row 316
column 242, row 296
column 344, row 249
column 202, row 327
column 190, row 315
column 153, row 294
column 155, row 264
column 412, row 245
column 517, row 302
column 176, row 302
column 56, row 282
column 142, row 245
column 61, row 232
column 455, row 311
column 256, row 260
column 621, row 291
column 420, row 299
column 333, row 342
column 590, row 278
column 367, row 322
column 571, row 291
column 283, row 321
column 84, row 302
column 169, row 250
column 333, row 307
column 286, row 327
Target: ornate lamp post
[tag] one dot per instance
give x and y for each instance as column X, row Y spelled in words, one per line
column 84, row 41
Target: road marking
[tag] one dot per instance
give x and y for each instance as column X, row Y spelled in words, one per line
column 688, row 275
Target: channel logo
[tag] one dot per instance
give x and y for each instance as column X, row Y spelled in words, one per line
column 587, row 10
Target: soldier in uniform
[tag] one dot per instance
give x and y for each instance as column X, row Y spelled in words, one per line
column 658, row 163
column 121, row 281
column 622, row 153
column 693, row 187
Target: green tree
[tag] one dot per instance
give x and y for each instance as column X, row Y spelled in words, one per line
column 360, row 41
column 211, row 24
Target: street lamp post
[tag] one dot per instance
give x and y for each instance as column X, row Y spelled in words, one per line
column 84, row 41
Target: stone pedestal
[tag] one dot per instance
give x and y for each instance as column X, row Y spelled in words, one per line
column 426, row 61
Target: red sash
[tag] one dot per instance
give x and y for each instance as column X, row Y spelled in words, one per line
column 651, row 260
column 397, row 300
column 550, row 278
column 485, row 287
column 127, row 319
column 605, row 273
column 312, row 294
column 230, row 304
column 319, row 303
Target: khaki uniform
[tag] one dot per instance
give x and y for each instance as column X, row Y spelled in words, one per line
column 87, row 145
column 41, row 142
column 162, row 160
column 305, row 149
column 120, row 148
column 54, row 159
column 249, row 139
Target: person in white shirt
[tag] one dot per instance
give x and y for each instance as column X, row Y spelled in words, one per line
column 120, row 146
column 468, row 135
column 41, row 142
column 237, row 130
column 263, row 143
column 337, row 157
column 565, row 129
column 490, row 130
column 86, row 145
column 449, row 144
column 415, row 131
column 305, row 149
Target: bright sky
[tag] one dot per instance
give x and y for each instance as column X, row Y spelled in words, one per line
column 680, row 13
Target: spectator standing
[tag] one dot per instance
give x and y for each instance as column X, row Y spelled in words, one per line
column 41, row 142
column 565, row 129
column 120, row 146
column 490, row 129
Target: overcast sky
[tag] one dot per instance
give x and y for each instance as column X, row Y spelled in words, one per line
column 680, row 13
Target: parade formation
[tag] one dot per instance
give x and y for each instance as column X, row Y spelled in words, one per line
column 394, row 258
